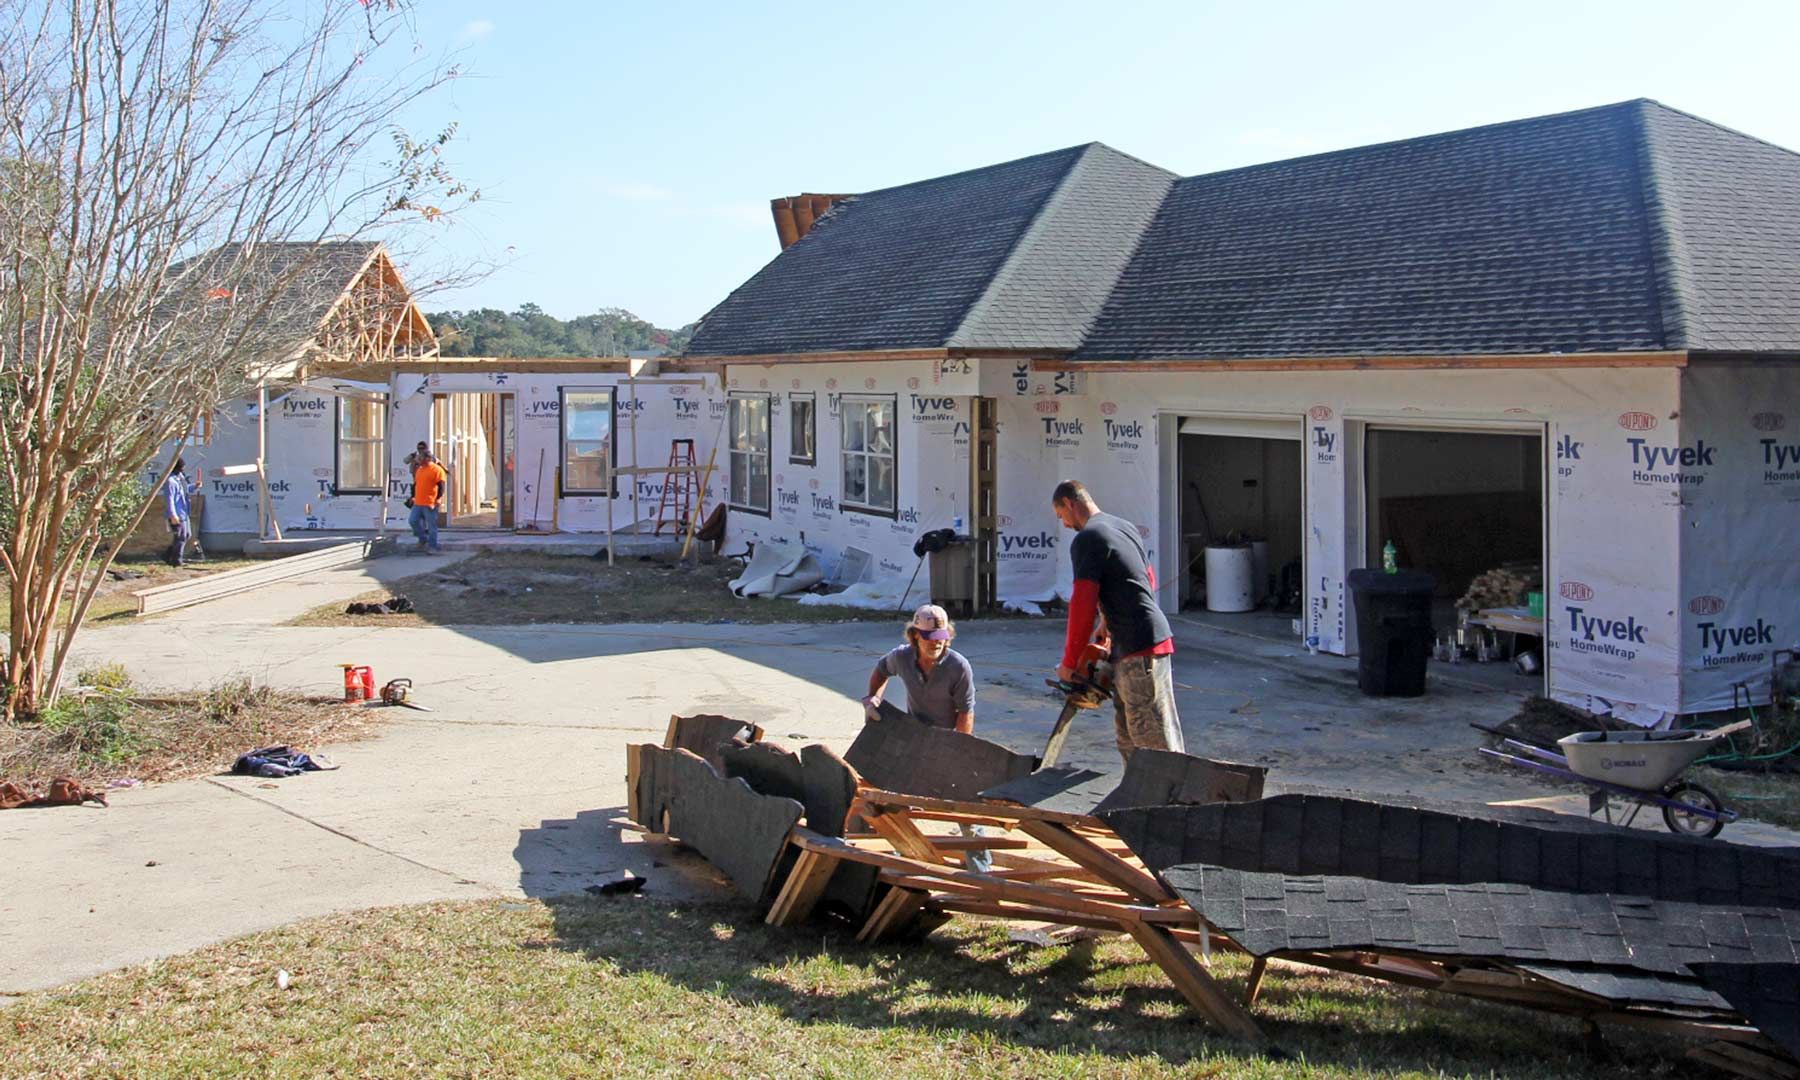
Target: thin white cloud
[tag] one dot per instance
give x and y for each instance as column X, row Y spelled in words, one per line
column 474, row 30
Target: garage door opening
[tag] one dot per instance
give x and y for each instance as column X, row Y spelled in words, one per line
column 1242, row 494
column 1467, row 508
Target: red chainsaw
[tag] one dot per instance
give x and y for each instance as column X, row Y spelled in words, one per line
column 1089, row 689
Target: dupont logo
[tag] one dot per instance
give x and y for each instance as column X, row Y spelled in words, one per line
column 1144, row 531
column 869, row 384
column 912, row 383
column 1516, row 411
column 1575, row 590
column 831, row 384
column 1108, row 408
column 795, row 384
column 813, row 483
column 674, row 391
column 1636, row 421
column 1005, row 521
column 1768, row 421
column 1706, row 605
column 1049, row 407
column 1320, row 412
column 762, row 384
column 780, row 479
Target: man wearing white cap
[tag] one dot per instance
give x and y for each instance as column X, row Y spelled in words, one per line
column 940, row 684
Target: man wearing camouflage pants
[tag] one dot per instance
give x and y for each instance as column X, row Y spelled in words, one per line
column 1114, row 581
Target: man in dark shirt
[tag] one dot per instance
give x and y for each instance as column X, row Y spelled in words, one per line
column 1114, row 581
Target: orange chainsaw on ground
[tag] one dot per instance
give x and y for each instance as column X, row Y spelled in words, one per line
column 1089, row 689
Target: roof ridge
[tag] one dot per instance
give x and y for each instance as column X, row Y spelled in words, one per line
column 1008, row 266
column 1714, row 124
column 1413, row 140
column 1670, row 264
column 978, row 169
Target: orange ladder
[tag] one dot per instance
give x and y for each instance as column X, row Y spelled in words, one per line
column 681, row 487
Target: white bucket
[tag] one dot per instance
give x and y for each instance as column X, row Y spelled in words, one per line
column 1229, row 574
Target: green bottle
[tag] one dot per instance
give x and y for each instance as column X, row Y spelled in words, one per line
column 1387, row 558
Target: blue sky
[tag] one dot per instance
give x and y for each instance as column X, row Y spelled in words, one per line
column 627, row 152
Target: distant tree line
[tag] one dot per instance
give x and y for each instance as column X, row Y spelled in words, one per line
column 530, row 332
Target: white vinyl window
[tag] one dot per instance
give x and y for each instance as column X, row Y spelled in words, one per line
column 749, row 448
column 803, row 434
column 587, row 429
column 361, row 444
column 868, row 454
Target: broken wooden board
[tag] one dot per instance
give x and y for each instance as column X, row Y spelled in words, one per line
column 906, row 756
column 769, row 768
column 737, row 830
column 705, row 733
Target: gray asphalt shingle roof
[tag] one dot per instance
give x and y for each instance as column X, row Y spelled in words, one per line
column 1629, row 227
column 1017, row 255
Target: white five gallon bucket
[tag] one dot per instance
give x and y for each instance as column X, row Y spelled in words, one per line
column 1230, row 573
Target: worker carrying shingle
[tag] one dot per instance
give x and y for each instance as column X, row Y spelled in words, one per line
column 1114, row 582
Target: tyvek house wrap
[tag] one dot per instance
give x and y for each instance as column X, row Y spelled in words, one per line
column 1740, row 527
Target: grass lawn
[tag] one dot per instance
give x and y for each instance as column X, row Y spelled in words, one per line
column 510, row 589
column 630, row 986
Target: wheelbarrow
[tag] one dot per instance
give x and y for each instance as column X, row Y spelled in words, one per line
column 1642, row 768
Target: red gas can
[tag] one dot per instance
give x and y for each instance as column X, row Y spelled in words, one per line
column 359, row 682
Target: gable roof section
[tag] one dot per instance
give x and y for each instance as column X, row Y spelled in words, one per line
column 1020, row 254
column 1629, row 227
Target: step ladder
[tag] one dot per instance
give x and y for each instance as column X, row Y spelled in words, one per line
column 681, row 488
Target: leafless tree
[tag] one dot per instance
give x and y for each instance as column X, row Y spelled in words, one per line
column 159, row 160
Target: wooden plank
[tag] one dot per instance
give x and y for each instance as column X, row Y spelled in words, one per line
column 231, row 582
column 894, row 911
column 1258, row 968
column 1091, row 856
column 633, row 774
column 1195, row 984
column 804, row 886
column 993, row 813
column 906, row 838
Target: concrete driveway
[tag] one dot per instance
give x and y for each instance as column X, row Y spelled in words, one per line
column 514, row 784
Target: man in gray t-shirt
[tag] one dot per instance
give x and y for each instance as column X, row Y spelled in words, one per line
column 940, row 684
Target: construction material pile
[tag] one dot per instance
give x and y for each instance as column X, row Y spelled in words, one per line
column 1619, row 926
column 1505, row 586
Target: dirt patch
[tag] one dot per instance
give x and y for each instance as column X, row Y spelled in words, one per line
column 1541, row 722
column 111, row 733
column 495, row 589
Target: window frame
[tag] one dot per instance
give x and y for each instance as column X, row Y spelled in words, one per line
column 732, row 454
column 845, row 403
column 380, row 442
column 611, row 441
column 811, row 398
column 202, row 432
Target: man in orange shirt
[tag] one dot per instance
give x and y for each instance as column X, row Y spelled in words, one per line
column 429, row 479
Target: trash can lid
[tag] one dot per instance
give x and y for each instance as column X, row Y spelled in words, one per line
column 1376, row 582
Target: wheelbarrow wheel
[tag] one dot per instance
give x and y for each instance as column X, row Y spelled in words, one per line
column 1686, row 822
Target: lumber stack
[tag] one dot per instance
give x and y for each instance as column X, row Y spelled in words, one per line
column 1504, row 586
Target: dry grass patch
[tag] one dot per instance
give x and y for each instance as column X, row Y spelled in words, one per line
column 584, row 987
column 511, row 589
column 128, row 575
column 108, row 732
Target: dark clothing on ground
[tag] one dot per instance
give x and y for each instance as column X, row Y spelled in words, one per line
column 935, row 699
column 1108, row 551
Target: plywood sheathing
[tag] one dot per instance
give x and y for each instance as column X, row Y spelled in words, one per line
column 901, row 754
column 741, row 833
column 816, row 778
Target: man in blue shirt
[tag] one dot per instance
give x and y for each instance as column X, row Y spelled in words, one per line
column 175, row 503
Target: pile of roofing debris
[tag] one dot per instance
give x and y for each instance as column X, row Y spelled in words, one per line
column 1688, row 936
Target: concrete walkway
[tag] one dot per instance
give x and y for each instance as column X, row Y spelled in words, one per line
column 514, row 784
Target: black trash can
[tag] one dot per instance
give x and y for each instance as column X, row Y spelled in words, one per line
column 1393, row 630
